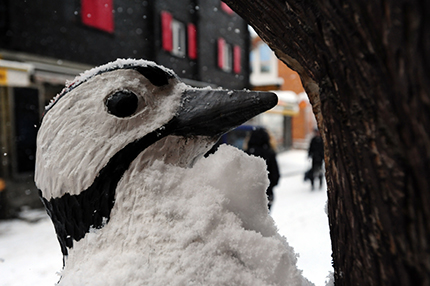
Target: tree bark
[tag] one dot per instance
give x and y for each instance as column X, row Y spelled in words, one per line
column 365, row 66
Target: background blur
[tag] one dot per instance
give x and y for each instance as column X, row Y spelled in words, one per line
column 45, row 43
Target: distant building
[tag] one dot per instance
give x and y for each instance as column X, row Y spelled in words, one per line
column 292, row 121
column 44, row 43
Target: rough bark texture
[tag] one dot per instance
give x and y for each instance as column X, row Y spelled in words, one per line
column 366, row 68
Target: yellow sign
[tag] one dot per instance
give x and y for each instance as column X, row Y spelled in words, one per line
column 3, row 76
column 2, row 185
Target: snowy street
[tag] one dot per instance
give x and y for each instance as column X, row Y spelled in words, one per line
column 300, row 216
column 30, row 253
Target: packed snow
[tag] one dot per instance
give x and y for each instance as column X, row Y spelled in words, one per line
column 205, row 225
column 30, row 253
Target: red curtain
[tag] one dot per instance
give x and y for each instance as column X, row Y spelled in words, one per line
column 192, row 41
column 166, row 31
column 236, row 57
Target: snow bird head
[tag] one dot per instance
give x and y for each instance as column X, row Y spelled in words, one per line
column 107, row 117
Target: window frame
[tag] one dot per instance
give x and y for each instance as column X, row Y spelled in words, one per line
column 179, row 39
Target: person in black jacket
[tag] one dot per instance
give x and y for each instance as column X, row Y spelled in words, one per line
column 316, row 153
column 259, row 145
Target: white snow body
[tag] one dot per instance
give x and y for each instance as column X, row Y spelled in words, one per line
column 206, row 225
column 178, row 218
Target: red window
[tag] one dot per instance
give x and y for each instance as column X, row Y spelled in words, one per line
column 174, row 36
column 98, row 14
column 225, row 55
column 226, row 9
column 236, row 56
column 192, row 41
column 166, row 31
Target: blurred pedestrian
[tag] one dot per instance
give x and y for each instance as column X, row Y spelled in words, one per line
column 259, row 145
column 316, row 153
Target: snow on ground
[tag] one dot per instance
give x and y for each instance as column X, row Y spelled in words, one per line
column 30, row 253
column 300, row 216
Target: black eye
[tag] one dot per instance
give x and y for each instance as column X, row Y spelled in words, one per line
column 122, row 103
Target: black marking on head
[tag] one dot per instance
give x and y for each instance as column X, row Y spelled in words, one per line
column 74, row 215
column 155, row 75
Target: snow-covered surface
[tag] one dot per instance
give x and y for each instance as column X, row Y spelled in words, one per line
column 178, row 218
column 117, row 64
column 30, row 253
column 205, row 225
column 300, row 215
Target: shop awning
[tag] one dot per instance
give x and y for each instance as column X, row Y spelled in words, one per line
column 287, row 104
column 15, row 73
column 56, row 74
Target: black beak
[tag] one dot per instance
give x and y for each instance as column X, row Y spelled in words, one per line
column 211, row 113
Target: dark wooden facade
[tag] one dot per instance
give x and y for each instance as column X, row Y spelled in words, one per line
column 55, row 29
column 56, row 40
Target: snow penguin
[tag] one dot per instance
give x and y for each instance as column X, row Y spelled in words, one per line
column 120, row 170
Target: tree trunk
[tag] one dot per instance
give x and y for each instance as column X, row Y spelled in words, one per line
column 365, row 66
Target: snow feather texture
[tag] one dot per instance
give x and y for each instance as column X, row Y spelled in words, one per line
column 178, row 218
column 206, row 225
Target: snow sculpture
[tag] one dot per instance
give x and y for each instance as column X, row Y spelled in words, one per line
column 121, row 173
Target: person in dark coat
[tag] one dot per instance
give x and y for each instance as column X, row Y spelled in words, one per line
column 259, row 145
column 316, row 153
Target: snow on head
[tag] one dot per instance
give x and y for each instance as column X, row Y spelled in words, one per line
column 206, row 225
column 85, row 76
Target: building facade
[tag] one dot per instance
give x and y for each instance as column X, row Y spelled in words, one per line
column 292, row 122
column 45, row 43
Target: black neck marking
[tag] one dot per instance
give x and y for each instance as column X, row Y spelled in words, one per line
column 74, row 215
